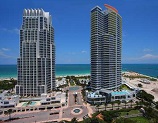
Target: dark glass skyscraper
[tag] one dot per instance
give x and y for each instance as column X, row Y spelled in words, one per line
column 106, row 42
column 36, row 65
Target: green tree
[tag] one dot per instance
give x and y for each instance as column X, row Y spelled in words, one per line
column 145, row 96
column 131, row 101
column 123, row 120
column 140, row 85
column 118, row 103
column 105, row 105
column 112, row 104
column 125, row 102
column 157, row 105
column 74, row 120
column 95, row 120
column 153, row 120
column 29, row 102
column 109, row 115
column 137, row 103
column 9, row 112
column 97, row 106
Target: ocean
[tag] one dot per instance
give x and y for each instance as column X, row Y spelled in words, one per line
column 7, row 71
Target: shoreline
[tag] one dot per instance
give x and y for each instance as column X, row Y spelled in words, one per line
column 58, row 76
column 80, row 75
column 138, row 74
column 5, row 78
column 76, row 75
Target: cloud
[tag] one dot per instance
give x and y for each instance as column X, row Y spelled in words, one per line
column 3, row 55
column 149, row 56
column 147, row 50
column 72, row 53
column 83, row 51
column 77, row 53
column 5, row 49
column 15, row 30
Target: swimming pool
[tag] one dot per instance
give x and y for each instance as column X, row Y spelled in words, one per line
column 74, row 88
column 119, row 93
column 26, row 104
column 32, row 103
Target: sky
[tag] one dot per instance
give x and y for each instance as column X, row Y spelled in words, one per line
column 71, row 21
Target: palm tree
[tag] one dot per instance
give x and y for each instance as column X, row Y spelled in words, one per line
column 105, row 105
column 8, row 112
column 74, row 120
column 112, row 104
column 131, row 101
column 125, row 103
column 137, row 103
column 118, row 103
column 29, row 102
column 97, row 106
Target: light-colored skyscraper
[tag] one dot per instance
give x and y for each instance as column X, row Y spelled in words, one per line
column 106, row 42
column 36, row 65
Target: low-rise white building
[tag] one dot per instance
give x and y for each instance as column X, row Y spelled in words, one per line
column 61, row 82
column 84, row 81
column 56, row 97
column 122, row 95
column 95, row 97
column 145, row 81
column 106, row 96
column 8, row 100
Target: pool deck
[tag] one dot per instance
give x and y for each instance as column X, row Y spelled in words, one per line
column 119, row 93
column 24, row 104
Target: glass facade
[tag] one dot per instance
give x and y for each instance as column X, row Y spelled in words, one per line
column 106, row 42
column 36, row 65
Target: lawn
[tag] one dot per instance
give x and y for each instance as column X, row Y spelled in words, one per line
column 72, row 83
column 140, row 119
column 130, row 112
column 124, row 87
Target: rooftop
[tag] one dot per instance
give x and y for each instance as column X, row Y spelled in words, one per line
column 111, row 8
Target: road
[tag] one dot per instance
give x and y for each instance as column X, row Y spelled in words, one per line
column 30, row 117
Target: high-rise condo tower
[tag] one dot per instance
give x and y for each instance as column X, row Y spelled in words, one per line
column 106, row 42
column 36, row 65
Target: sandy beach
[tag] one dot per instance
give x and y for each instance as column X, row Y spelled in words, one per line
column 151, row 88
column 1, row 79
column 78, row 75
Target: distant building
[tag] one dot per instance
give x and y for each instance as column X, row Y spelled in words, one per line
column 84, row 81
column 36, row 65
column 8, row 100
column 106, row 41
column 61, row 82
column 145, row 81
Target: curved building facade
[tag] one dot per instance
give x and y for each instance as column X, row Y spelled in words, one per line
column 106, row 43
column 36, row 65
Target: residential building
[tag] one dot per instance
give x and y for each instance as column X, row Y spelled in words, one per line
column 61, row 82
column 84, row 81
column 53, row 98
column 106, row 41
column 36, row 64
column 8, row 100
